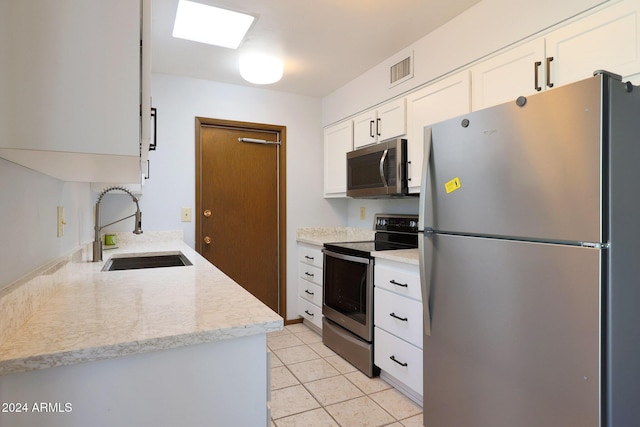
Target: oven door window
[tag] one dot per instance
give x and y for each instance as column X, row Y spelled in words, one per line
column 345, row 284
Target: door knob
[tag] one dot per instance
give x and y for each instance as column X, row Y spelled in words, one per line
column 207, row 240
column 207, row 213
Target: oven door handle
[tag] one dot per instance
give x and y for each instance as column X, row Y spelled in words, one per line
column 346, row 257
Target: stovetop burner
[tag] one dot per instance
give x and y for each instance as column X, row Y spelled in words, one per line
column 392, row 232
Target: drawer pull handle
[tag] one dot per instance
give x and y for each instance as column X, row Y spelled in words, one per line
column 310, row 314
column 393, row 282
column 398, row 362
column 307, row 291
column 308, row 274
column 309, row 257
column 404, row 319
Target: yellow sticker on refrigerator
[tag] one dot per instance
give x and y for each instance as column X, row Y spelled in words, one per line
column 452, row 185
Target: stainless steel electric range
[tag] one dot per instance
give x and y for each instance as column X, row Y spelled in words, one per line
column 347, row 303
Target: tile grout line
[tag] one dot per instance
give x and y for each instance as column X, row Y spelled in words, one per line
column 342, row 374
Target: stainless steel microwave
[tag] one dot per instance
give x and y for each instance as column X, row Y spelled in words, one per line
column 378, row 170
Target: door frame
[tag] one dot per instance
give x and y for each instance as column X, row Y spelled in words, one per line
column 281, row 132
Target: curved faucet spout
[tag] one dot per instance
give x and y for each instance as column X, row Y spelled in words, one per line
column 97, row 240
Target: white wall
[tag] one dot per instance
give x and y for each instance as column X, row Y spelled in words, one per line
column 483, row 29
column 172, row 183
column 373, row 206
column 28, row 209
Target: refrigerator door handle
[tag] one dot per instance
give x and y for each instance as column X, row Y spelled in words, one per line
column 425, row 253
column 425, row 244
column 424, row 179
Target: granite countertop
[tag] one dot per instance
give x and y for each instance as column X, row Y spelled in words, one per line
column 89, row 315
column 408, row 256
column 320, row 235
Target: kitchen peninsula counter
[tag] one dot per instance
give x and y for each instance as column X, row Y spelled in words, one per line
column 148, row 323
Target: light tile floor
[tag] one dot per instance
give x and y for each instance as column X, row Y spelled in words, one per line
column 311, row 386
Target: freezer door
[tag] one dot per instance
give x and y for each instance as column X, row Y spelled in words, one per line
column 514, row 334
column 530, row 171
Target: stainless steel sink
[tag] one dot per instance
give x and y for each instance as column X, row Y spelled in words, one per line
column 146, row 260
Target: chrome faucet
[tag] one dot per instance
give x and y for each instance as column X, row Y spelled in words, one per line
column 97, row 241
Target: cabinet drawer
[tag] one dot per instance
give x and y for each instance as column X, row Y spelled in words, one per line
column 399, row 359
column 311, row 312
column 310, row 291
column 310, row 255
column 398, row 315
column 397, row 277
column 310, row 273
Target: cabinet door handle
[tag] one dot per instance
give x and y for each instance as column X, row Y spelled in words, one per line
column 371, row 129
column 310, row 314
column 404, row 319
column 308, row 274
column 309, row 257
column 398, row 362
column 536, row 72
column 549, row 59
column 402, row 285
column 408, row 170
column 310, row 293
column 378, row 122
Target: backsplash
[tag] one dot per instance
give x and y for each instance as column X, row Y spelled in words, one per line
column 28, row 208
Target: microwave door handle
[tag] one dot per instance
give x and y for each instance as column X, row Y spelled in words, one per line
column 382, row 160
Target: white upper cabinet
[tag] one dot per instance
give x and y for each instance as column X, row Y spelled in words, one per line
column 385, row 122
column 443, row 100
column 338, row 141
column 518, row 72
column 606, row 40
column 72, row 87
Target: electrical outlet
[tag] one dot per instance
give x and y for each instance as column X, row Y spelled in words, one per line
column 185, row 215
column 363, row 212
column 61, row 221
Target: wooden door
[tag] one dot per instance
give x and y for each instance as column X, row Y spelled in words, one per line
column 240, row 203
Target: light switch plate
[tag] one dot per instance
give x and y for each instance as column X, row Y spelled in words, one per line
column 185, row 215
column 61, row 222
column 363, row 212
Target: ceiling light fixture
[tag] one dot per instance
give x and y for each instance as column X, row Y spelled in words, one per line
column 259, row 68
column 212, row 25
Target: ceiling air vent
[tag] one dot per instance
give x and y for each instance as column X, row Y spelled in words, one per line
column 401, row 71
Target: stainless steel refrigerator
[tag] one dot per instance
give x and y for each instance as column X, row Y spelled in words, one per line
column 530, row 261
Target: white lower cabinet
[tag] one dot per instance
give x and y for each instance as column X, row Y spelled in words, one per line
column 398, row 326
column 399, row 359
column 310, row 312
column 398, row 315
column 310, row 292
column 310, row 283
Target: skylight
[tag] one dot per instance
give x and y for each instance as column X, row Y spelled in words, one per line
column 212, row 25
